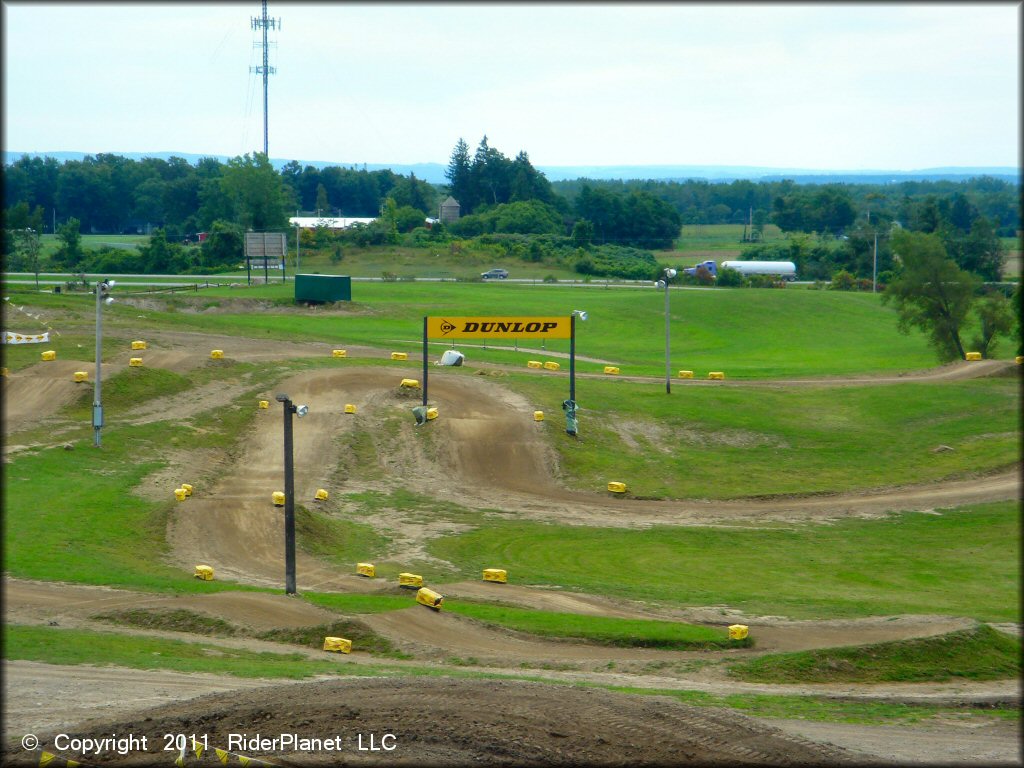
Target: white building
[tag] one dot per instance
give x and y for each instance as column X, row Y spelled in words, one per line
column 331, row 222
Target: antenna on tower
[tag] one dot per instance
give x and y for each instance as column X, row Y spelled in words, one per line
column 264, row 23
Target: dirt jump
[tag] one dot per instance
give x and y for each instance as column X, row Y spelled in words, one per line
column 488, row 454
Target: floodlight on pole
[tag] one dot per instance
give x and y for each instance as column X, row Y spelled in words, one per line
column 102, row 297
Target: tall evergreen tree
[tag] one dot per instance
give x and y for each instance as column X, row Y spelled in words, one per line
column 460, row 176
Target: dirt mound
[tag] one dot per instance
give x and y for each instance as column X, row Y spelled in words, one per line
column 466, row 722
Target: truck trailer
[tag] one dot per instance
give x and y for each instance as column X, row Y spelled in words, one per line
column 784, row 269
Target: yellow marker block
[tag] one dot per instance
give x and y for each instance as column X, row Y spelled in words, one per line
column 216, row 354
column 737, row 631
column 337, row 644
column 4, row 371
column 1018, row 360
column 187, row 488
column 339, row 352
column 278, row 498
column 81, row 376
column 972, row 356
column 204, row 572
column 135, row 362
column 410, row 384
column 534, row 364
column 552, row 366
column 349, row 408
column 686, row 374
column 611, row 370
column 429, row 598
column 538, row 415
column 366, row 569
column 49, row 355
column 179, row 494
column 496, row 574
column 399, row 355
column 321, row 494
column 138, row 345
column 264, row 404
column 616, row 487
column 410, row 580
column 716, row 375
column 431, row 413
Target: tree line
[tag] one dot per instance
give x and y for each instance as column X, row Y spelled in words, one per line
column 830, row 228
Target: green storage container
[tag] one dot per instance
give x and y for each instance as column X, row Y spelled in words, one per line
column 323, row 288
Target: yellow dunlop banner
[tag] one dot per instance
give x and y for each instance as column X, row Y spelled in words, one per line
column 499, row 327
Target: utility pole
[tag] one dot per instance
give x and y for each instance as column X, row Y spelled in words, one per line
column 266, row 70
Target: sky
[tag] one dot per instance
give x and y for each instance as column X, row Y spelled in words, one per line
column 874, row 86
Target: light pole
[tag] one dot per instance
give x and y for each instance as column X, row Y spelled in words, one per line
column 289, row 492
column 102, row 297
column 663, row 283
column 582, row 315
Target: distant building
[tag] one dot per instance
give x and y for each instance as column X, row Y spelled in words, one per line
column 449, row 210
column 330, row 222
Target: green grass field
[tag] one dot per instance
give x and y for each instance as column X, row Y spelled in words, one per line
column 978, row 654
column 69, row 515
column 744, row 333
column 906, row 563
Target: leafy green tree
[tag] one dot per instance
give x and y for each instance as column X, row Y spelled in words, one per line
column 414, row 193
column 224, row 246
column 26, row 252
column 995, row 317
column 160, row 256
column 259, row 199
column 931, row 293
column 582, row 233
column 407, row 218
column 526, row 217
column 323, row 205
column 70, row 253
column 982, row 251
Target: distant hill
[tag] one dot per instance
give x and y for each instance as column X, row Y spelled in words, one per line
column 434, row 172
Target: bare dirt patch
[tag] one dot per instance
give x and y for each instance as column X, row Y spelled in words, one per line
column 463, row 722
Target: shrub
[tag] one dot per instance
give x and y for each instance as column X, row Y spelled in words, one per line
column 729, row 277
column 843, row 281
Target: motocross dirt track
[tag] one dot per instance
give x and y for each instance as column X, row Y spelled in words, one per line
column 486, row 452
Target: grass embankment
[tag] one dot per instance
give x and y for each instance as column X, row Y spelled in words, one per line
column 980, row 653
column 734, row 442
column 180, row 620
column 603, row 630
column 827, row 709
column 66, row 646
column 963, row 562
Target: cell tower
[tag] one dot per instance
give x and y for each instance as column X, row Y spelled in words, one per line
column 266, row 70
